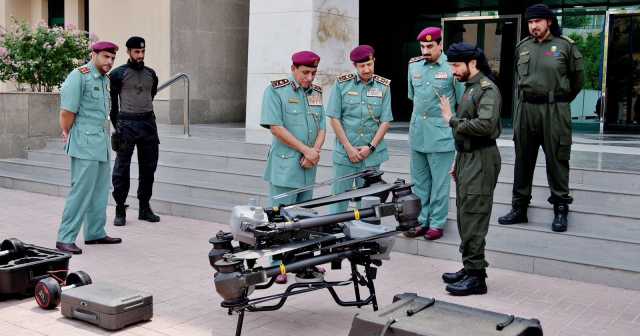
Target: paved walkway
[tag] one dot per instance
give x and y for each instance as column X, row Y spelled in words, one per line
column 169, row 259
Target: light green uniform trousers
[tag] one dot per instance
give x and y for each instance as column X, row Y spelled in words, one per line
column 292, row 199
column 342, row 186
column 430, row 175
column 87, row 201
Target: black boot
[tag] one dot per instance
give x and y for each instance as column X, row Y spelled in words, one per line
column 517, row 215
column 453, row 277
column 121, row 215
column 472, row 283
column 560, row 212
column 147, row 214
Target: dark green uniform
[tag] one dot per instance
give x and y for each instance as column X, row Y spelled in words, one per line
column 550, row 75
column 477, row 165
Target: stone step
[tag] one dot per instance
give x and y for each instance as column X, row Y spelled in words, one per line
column 230, row 177
column 588, row 223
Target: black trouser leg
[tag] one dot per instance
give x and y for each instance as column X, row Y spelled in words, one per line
column 147, row 163
column 120, row 176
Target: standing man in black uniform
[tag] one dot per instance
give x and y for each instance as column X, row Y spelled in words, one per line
column 133, row 87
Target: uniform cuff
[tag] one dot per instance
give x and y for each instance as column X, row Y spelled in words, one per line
column 454, row 121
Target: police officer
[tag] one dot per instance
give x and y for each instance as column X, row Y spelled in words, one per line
column 133, row 87
column 292, row 109
column 550, row 75
column 431, row 140
column 477, row 164
column 83, row 118
column 360, row 112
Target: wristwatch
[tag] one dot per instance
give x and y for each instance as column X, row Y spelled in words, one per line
column 372, row 148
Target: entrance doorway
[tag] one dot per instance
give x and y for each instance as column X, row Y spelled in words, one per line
column 497, row 36
column 620, row 104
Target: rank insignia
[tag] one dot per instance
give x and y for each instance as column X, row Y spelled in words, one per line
column 85, row 70
column 279, row 83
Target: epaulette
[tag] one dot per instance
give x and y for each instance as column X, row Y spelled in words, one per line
column 416, row 59
column 568, row 39
column 485, row 84
column 316, row 88
column 279, row 83
column 381, row 80
column 84, row 70
column 524, row 40
column 346, row 77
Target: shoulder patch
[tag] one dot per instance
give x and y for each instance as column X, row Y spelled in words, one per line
column 528, row 38
column 485, row 84
column 84, row 70
column 381, row 80
column 279, row 83
column 568, row 39
column 316, row 88
column 346, row 77
column 416, row 59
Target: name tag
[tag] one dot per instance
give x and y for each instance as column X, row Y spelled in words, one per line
column 294, row 101
column 441, row 75
column 374, row 93
column 417, row 76
column 314, row 100
column 352, row 93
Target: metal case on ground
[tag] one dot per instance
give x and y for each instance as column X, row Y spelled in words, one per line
column 412, row 315
column 108, row 306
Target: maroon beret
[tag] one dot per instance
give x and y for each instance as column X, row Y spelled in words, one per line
column 306, row 58
column 104, row 46
column 362, row 53
column 430, row 34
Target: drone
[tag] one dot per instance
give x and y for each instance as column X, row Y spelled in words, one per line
column 297, row 239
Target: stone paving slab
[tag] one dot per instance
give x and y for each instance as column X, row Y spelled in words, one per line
column 169, row 259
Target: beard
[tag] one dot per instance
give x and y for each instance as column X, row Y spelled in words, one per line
column 464, row 76
column 539, row 32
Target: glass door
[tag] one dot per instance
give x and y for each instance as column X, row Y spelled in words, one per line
column 497, row 36
column 620, row 104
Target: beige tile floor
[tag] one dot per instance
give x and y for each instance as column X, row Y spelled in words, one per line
column 169, row 259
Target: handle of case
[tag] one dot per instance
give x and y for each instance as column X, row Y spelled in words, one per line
column 85, row 316
column 135, row 305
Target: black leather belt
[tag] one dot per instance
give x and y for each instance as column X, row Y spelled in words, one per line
column 136, row 116
column 473, row 143
column 536, row 98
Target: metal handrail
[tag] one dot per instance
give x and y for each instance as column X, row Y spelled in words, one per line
column 185, row 112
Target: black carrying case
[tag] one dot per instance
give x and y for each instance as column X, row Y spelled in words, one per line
column 412, row 315
column 108, row 306
column 18, row 276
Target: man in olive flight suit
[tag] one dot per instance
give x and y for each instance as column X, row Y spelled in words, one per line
column 431, row 139
column 84, row 111
column 292, row 109
column 477, row 164
column 550, row 75
column 360, row 112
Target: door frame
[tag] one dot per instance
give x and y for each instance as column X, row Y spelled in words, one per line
column 486, row 18
column 605, row 56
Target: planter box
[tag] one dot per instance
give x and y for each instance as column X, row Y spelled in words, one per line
column 27, row 119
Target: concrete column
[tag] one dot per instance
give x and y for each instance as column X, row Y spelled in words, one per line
column 279, row 28
column 39, row 11
column 74, row 14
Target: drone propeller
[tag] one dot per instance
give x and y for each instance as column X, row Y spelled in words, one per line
column 374, row 189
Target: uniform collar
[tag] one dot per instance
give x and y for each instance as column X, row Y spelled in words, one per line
column 94, row 70
column 358, row 80
column 475, row 79
column 441, row 60
column 295, row 85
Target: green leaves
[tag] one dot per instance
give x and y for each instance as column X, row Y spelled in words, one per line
column 39, row 56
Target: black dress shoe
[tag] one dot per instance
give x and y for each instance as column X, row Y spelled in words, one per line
column 70, row 248
column 105, row 240
column 517, row 215
column 560, row 222
column 416, row 232
column 471, row 284
column 453, row 277
column 146, row 214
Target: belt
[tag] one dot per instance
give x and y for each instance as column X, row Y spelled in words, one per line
column 473, row 144
column 136, row 116
column 550, row 98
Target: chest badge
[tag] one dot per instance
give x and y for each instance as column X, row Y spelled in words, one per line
column 374, row 92
column 314, row 100
column 441, row 75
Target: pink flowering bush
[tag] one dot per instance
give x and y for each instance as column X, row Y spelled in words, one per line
column 41, row 57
